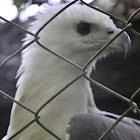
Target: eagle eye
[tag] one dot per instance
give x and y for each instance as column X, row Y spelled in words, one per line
column 83, row 28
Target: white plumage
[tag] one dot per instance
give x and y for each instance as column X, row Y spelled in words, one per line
column 77, row 34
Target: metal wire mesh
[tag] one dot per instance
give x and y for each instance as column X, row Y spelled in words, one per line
column 132, row 104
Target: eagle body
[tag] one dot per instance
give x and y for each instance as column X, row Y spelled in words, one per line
column 77, row 34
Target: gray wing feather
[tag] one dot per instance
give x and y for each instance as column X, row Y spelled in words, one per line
column 92, row 126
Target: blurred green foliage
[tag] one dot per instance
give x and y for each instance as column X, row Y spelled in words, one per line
column 113, row 1
column 20, row 4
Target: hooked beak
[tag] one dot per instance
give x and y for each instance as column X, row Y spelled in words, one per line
column 126, row 43
column 122, row 41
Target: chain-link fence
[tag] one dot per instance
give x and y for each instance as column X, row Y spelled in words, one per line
column 36, row 114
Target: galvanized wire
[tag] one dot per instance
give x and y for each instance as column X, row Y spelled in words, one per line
column 132, row 104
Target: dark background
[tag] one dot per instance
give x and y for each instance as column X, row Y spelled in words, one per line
column 114, row 72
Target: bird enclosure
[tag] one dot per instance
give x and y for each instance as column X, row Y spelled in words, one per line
column 82, row 74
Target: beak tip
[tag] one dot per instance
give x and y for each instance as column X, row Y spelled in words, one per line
column 127, row 44
column 127, row 51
